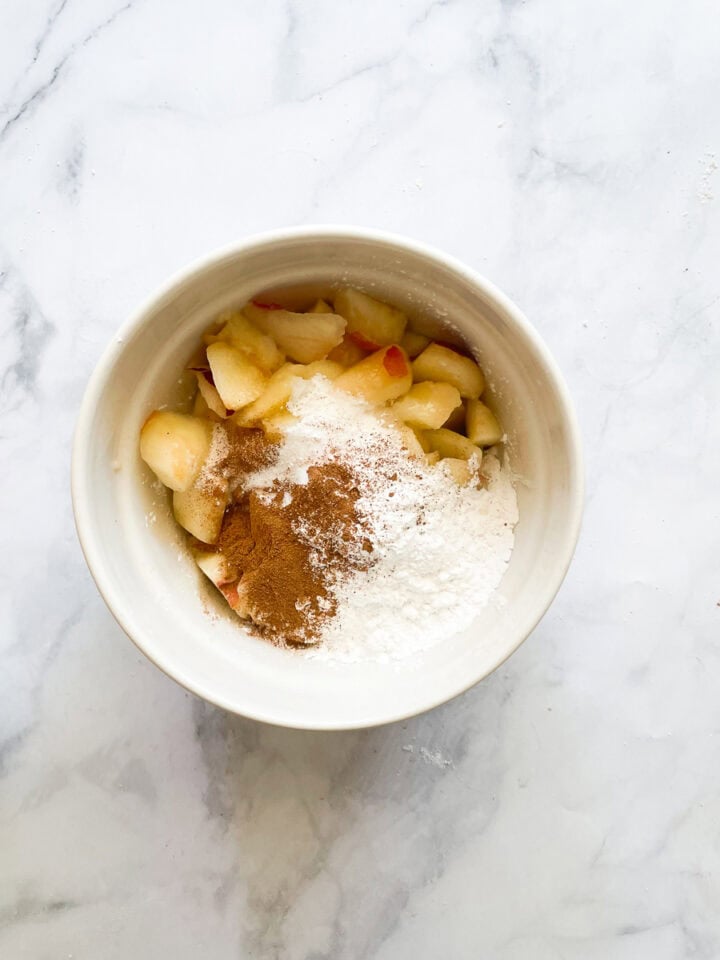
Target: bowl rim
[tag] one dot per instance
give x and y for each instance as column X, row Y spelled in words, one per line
column 103, row 370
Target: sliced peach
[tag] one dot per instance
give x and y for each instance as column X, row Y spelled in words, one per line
column 276, row 425
column 240, row 333
column 210, row 395
column 482, row 424
column 451, row 444
column 414, row 343
column 215, row 566
column 427, row 405
column 175, row 446
column 237, row 379
column 321, row 306
column 200, row 407
column 456, row 420
column 306, row 337
column 459, row 470
column 275, row 395
column 329, row 369
column 410, row 439
column 370, row 322
column 448, row 366
column 200, row 512
column 279, row 387
column 347, row 353
column 384, row 375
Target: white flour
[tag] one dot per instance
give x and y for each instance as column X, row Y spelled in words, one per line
column 440, row 550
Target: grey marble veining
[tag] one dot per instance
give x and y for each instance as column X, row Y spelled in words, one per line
column 567, row 807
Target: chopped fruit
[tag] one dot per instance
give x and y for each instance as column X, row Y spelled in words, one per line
column 482, row 424
column 236, row 595
column 275, row 395
column 422, row 439
column 414, row 343
column 427, row 405
column 258, row 312
column 347, row 353
column 372, row 324
column 384, row 375
column 237, row 379
column 303, row 336
column 272, row 528
column 210, row 395
column 459, row 470
column 451, row 444
column 395, row 361
column 456, row 420
column 279, row 387
column 363, row 343
column 200, row 511
column 444, row 364
column 200, row 408
column 215, row 567
column 325, row 368
column 175, row 446
column 276, row 424
column 321, row 306
column 410, row 440
column 240, row 333
column 267, row 305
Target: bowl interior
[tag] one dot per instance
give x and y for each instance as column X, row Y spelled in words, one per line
column 137, row 553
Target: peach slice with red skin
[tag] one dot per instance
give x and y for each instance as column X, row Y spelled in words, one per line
column 370, row 323
column 383, row 376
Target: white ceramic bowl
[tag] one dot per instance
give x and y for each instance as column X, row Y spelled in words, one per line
column 135, row 551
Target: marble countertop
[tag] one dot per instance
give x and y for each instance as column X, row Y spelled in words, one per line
column 567, row 807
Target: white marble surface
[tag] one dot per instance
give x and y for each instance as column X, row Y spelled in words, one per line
column 568, row 807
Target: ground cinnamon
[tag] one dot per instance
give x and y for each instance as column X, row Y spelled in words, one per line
column 239, row 451
column 289, row 545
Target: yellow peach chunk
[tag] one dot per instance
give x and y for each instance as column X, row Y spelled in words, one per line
column 441, row 363
column 279, row 388
column 175, row 446
column 414, row 343
column 304, row 337
column 275, row 395
column 240, row 333
column 427, row 405
column 210, row 395
column 347, row 352
column 215, row 566
column 383, row 376
column 276, row 425
column 370, row 323
column 482, row 424
column 200, row 407
column 237, row 379
column 456, row 420
column 321, row 306
column 200, row 511
column 409, row 438
column 459, row 470
column 451, row 444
